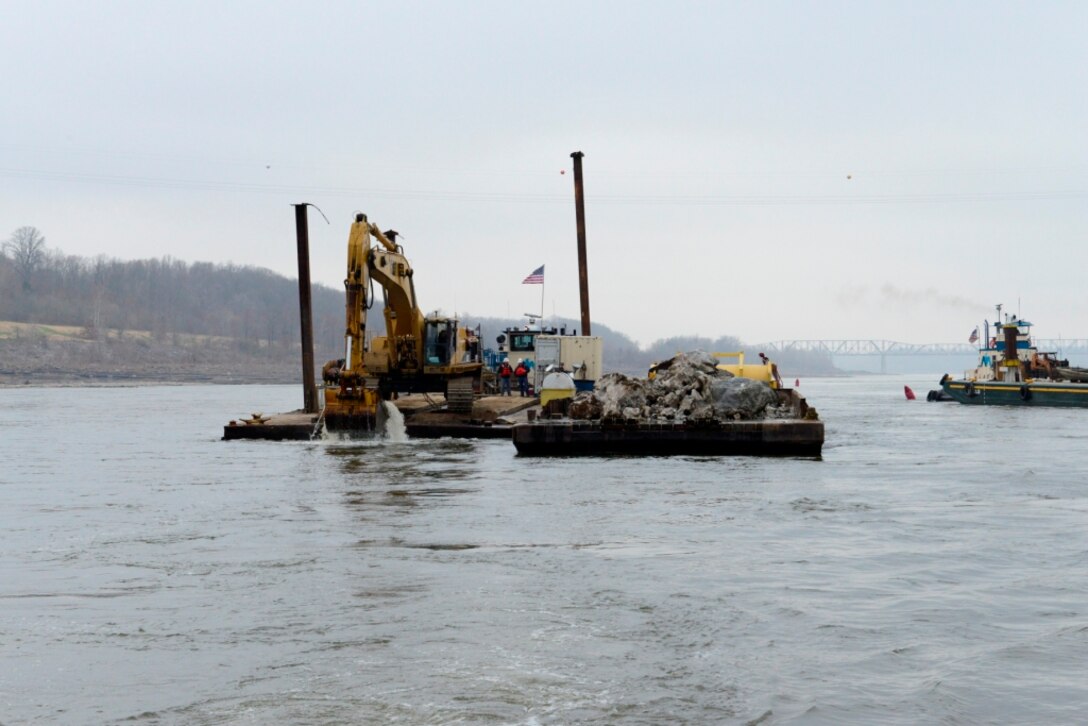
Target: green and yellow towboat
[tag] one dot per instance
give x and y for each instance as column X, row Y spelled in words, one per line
column 1012, row 372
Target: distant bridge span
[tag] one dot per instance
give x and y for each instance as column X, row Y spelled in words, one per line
column 885, row 348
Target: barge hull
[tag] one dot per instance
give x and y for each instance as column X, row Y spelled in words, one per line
column 1036, row 393
column 741, row 438
column 456, row 431
column 294, row 426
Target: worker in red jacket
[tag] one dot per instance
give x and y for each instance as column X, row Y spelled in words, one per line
column 523, row 377
column 505, row 371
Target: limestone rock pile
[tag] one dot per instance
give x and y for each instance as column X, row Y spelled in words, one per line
column 688, row 387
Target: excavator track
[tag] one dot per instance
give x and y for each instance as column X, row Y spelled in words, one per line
column 459, row 395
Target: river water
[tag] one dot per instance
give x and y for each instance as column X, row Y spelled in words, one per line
column 931, row 568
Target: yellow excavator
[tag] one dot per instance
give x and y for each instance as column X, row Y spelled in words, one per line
column 418, row 354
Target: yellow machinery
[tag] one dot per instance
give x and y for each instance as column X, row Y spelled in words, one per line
column 765, row 371
column 417, row 354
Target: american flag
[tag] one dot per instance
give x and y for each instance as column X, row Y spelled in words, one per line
column 536, row 278
column 974, row 336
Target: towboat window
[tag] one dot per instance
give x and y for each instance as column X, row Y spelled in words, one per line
column 521, row 341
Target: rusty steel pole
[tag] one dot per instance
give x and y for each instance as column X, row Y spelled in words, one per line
column 309, row 387
column 1012, row 355
column 580, row 214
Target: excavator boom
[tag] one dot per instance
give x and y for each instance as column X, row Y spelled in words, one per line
column 416, row 353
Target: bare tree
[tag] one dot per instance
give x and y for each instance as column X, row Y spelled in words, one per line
column 27, row 248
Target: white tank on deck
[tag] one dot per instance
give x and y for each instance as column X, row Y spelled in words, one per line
column 556, row 384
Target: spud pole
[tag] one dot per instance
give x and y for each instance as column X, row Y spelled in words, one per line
column 580, row 214
column 309, row 387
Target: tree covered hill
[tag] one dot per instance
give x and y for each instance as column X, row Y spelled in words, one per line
column 164, row 296
column 167, row 319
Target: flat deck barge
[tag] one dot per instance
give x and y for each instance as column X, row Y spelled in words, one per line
column 424, row 418
column 789, row 437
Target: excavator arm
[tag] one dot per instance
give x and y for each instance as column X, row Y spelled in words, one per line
column 415, row 354
column 385, row 264
column 356, row 286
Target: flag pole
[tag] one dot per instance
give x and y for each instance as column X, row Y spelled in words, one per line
column 542, row 303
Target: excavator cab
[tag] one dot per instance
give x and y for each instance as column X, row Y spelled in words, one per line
column 439, row 341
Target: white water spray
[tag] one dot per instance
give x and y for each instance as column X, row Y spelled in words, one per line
column 391, row 423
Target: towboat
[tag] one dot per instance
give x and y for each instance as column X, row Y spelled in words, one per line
column 1011, row 371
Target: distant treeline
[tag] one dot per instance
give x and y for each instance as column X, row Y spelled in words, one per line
column 621, row 353
column 164, row 296
column 254, row 307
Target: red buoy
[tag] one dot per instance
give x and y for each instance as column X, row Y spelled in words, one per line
column 909, row 393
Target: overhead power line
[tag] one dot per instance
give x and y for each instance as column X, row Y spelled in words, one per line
column 752, row 200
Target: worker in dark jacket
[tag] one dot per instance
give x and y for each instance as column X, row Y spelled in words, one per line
column 330, row 372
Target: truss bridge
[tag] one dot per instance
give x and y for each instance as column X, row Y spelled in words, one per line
column 884, row 348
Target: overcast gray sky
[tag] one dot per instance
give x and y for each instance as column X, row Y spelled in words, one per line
column 768, row 170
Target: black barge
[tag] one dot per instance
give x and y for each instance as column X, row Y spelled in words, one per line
column 798, row 438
